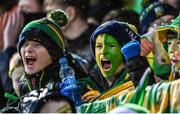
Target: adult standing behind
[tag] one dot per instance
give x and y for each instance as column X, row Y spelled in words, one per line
column 22, row 6
column 6, row 7
column 77, row 31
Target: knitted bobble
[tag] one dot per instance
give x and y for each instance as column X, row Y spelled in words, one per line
column 59, row 17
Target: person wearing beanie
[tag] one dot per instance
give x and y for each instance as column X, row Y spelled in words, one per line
column 41, row 46
column 115, row 68
column 162, row 97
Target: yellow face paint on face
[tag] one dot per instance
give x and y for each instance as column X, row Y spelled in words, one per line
column 108, row 55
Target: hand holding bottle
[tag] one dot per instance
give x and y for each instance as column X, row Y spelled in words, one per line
column 68, row 87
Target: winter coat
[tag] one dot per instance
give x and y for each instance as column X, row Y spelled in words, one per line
column 51, row 74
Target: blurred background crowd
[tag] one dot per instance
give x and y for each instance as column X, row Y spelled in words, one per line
column 83, row 18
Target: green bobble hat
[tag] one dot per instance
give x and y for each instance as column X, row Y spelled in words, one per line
column 47, row 32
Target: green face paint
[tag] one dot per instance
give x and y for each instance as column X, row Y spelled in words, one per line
column 108, row 55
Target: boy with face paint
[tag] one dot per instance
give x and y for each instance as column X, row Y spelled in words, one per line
column 108, row 55
column 118, row 72
column 162, row 97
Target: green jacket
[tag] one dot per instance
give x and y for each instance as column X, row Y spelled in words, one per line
column 162, row 97
column 97, row 82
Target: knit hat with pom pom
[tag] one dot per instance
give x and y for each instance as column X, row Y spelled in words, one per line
column 47, row 32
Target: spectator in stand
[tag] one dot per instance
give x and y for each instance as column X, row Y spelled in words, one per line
column 119, row 68
column 41, row 46
column 30, row 6
column 26, row 6
column 77, row 31
column 156, row 14
column 157, row 98
column 168, row 36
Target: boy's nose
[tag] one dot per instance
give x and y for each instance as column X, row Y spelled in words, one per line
column 104, row 50
column 29, row 48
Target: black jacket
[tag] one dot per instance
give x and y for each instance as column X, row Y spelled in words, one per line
column 51, row 74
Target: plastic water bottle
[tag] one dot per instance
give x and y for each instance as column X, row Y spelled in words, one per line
column 67, row 76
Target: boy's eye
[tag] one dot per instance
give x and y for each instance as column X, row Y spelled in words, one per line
column 111, row 46
column 25, row 44
column 37, row 44
column 98, row 46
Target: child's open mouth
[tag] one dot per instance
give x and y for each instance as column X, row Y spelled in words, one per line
column 30, row 60
column 106, row 64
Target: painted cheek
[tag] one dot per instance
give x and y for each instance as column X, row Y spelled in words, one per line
column 99, row 52
column 97, row 56
column 98, row 62
column 116, row 60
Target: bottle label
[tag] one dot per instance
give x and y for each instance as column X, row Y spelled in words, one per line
column 69, row 82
